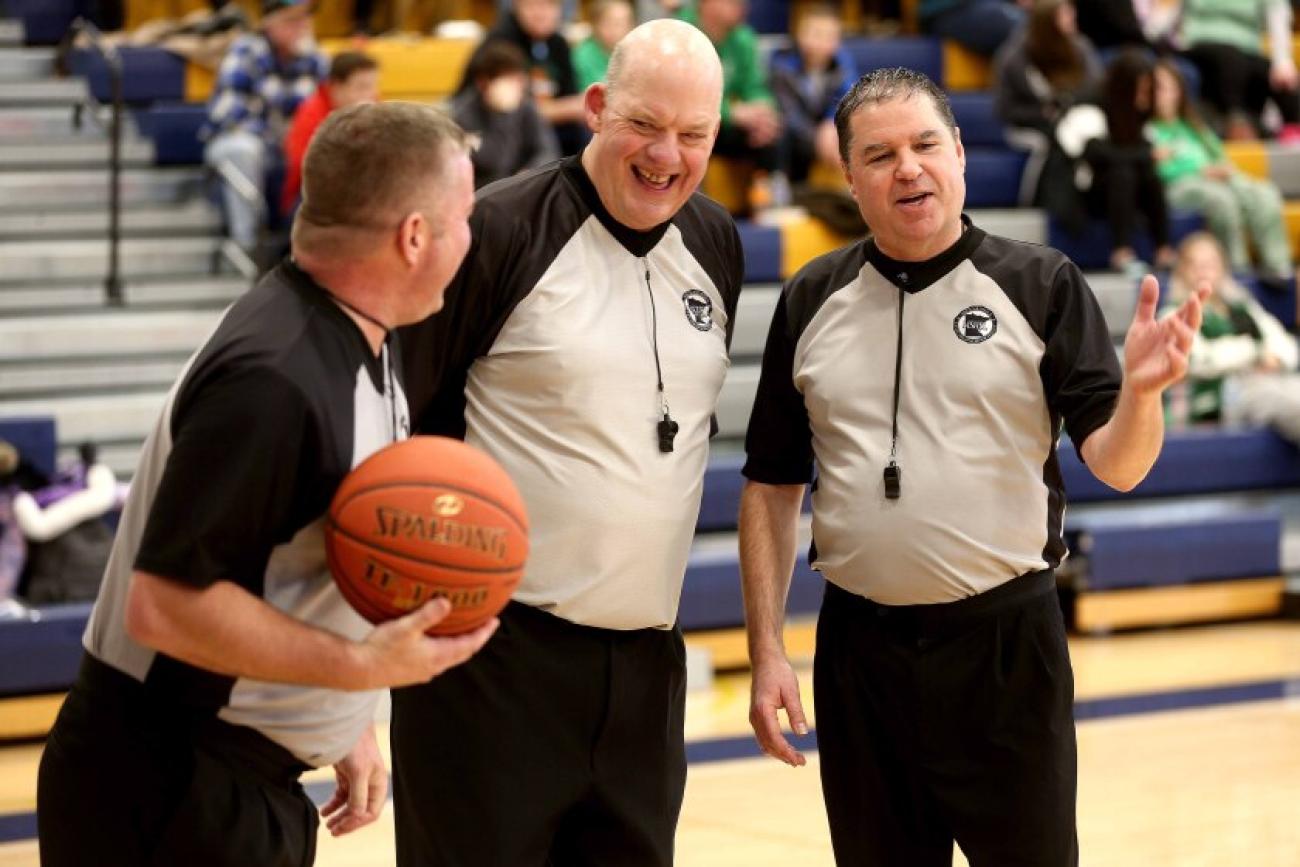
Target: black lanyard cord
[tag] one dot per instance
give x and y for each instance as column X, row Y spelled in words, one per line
column 894, row 473
column 665, row 428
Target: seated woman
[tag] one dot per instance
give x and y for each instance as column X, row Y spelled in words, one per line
column 495, row 107
column 1242, row 367
column 1038, row 75
column 1198, row 177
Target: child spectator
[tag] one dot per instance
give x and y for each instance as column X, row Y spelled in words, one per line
column 1042, row 71
column 1242, row 367
column 1198, row 177
column 809, row 81
column 611, row 20
column 494, row 105
column 533, row 27
column 262, row 79
column 353, row 79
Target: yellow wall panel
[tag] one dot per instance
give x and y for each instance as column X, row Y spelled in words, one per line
column 426, row 69
column 964, row 70
column 1249, row 156
column 804, row 239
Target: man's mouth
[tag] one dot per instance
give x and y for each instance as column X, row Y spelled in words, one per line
column 653, row 180
column 914, row 199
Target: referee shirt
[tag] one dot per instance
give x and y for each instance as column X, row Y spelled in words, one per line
column 544, row 356
column 1002, row 341
column 234, row 481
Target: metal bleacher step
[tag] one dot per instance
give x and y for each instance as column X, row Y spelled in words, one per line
column 24, row 123
column 124, row 416
column 44, row 190
column 194, row 218
column 152, row 293
column 72, row 152
column 104, row 335
column 1019, row 224
column 12, row 33
column 48, row 377
column 25, row 64
column 44, row 91
column 26, row 262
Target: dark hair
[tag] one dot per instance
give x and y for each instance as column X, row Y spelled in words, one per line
column 349, row 63
column 492, row 59
column 370, row 165
column 1053, row 53
column 886, row 85
column 1124, row 121
column 819, row 9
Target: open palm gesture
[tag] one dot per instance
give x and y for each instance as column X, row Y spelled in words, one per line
column 1155, row 350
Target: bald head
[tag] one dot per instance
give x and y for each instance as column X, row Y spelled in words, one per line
column 665, row 46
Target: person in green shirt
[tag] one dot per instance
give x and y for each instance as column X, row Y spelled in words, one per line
column 1242, row 364
column 611, row 20
column 751, row 124
column 1197, row 176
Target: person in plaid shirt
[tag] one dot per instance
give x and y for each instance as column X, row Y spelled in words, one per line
column 261, row 81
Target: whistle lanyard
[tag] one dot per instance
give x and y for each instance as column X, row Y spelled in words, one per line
column 894, row 473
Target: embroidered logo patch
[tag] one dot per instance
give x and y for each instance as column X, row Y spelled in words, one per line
column 699, row 309
column 975, row 324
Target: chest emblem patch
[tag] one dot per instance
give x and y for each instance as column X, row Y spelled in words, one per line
column 975, row 324
column 699, row 309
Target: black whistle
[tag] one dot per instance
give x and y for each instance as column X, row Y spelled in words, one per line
column 667, row 429
column 893, row 481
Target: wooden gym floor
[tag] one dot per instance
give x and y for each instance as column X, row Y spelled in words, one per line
column 1189, row 755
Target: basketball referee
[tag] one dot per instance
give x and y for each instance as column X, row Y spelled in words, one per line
column 583, row 345
column 925, row 373
column 221, row 661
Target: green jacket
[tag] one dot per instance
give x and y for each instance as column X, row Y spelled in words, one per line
column 590, row 60
column 1191, row 149
column 743, row 76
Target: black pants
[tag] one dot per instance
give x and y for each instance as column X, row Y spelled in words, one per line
column 733, row 142
column 948, row 722
column 1125, row 187
column 556, row 744
column 130, row 780
column 1234, row 81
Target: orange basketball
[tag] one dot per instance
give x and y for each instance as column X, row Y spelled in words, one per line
column 428, row 517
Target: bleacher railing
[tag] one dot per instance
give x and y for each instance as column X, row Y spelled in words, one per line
column 113, row 62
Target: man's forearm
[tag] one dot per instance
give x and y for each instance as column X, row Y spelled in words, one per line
column 1122, row 451
column 769, row 517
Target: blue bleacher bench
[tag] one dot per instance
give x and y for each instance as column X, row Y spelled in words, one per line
column 42, row 655
column 44, row 21
column 174, row 130
column 920, row 53
column 35, row 439
column 148, row 74
column 762, row 246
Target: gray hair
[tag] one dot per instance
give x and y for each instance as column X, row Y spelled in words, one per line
column 887, row 85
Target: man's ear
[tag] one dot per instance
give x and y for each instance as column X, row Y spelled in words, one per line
column 411, row 239
column 593, row 104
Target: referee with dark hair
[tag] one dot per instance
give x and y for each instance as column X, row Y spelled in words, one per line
column 925, row 373
column 584, row 345
column 221, row 660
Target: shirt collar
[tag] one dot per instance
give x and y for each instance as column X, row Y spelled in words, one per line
column 915, row 276
column 638, row 243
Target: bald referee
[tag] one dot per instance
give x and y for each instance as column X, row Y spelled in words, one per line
column 584, row 344
column 925, row 374
column 221, row 661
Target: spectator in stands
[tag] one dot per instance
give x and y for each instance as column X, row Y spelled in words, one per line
column 809, row 81
column 496, row 107
column 1147, row 24
column 1242, row 366
column 1042, row 71
column 262, row 79
column 611, row 20
column 533, row 26
column 751, row 125
column 1223, row 38
column 13, row 547
column 1123, row 182
column 980, row 25
column 1198, row 177
column 353, row 79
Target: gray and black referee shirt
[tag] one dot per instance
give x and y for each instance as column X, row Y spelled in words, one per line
column 234, row 481
column 1002, row 341
column 544, row 356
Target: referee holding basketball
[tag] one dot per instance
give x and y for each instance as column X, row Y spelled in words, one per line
column 221, row 661
column 583, row 345
column 925, row 373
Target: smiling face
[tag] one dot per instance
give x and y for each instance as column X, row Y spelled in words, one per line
column 906, row 172
column 653, row 133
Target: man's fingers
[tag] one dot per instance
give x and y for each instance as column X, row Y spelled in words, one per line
column 794, row 711
column 422, row 618
column 1148, row 298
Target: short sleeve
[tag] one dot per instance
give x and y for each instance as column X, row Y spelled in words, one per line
column 1081, row 372
column 230, row 489
column 778, row 444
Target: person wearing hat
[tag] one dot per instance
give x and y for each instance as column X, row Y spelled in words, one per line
column 262, row 79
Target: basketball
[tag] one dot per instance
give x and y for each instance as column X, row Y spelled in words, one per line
column 428, row 517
